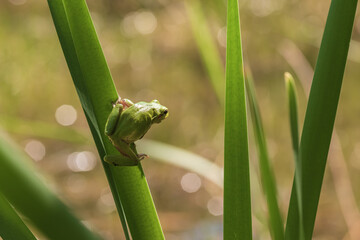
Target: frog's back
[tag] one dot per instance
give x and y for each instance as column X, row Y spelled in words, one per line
column 134, row 122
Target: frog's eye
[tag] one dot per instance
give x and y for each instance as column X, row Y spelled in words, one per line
column 165, row 112
column 155, row 101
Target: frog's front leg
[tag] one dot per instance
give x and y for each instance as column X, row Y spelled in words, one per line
column 128, row 150
column 125, row 102
column 113, row 119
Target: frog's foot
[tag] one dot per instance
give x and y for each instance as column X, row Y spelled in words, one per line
column 120, row 160
column 142, row 156
column 126, row 103
column 117, row 101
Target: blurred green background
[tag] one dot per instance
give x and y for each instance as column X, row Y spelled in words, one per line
column 152, row 54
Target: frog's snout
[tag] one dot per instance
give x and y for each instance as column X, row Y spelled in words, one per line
column 166, row 113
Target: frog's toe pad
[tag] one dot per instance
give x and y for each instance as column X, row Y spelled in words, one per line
column 142, row 156
column 117, row 101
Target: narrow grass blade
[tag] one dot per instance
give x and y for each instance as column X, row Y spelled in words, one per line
column 337, row 163
column 294, row 129
column 266, row 172
column 96, row 91
column 207, row 47
column 293, row 112
column 320, row 114
column 28, row 194
column 11, row 225
column 43, row 130
column 237, row 199
column 182, row 158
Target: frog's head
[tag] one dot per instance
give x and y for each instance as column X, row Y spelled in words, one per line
column 160, row 112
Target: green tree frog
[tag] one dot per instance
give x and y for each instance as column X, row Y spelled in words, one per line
column 129, row 122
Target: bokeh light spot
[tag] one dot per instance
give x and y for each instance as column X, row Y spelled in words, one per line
column 145, row 22
column 81, row 161
column 76, row 183
column 35, row 149
column 190, row 182
column 127, row 25
column 215, row 206
column 107, row 198
column 66, row 115
column 106, row 202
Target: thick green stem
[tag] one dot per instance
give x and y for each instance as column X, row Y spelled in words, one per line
column 96, row 91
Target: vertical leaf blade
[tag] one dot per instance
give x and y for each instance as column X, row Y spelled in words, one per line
column 237, row 199
column 320, row 113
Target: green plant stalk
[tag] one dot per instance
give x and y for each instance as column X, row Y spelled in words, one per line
column 237, row 199
column 57, row 9
column 266, row 172
column 293, row 116
column 11, row 225
column 207, row 47
column 320, row 114
column 28, row 194
column 96, row 91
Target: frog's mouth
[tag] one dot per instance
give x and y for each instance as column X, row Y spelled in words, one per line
column 165, row 114
column 162, row 116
